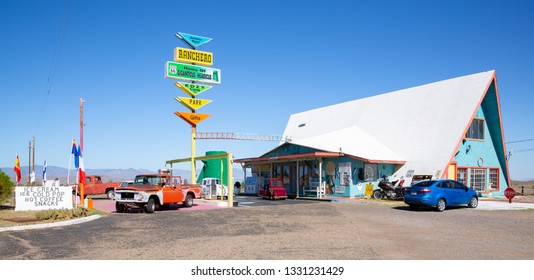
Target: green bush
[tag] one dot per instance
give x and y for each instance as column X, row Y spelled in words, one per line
column 6, row 187
column 61, row 214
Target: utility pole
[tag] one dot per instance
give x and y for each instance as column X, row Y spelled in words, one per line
column 29, row 162
column 33, row 155
column 81, row 124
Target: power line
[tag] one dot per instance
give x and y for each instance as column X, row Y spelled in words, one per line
column 519, row 141
column 55, row 60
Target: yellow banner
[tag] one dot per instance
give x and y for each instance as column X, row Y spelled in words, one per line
column 193, row 56
column 192, row 103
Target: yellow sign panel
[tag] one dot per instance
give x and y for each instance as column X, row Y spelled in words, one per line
column 369, row 190
column 193, row 56
column 192, row 103
column 192, row 118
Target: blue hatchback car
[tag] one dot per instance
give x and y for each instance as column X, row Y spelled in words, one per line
column 440, row 194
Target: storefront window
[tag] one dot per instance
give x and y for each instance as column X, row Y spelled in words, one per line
column 462, row 175
column 494, row 179
column 304, row 175
column 478, row 179
column 371, row 172
column 277, row 172
column 285, row 175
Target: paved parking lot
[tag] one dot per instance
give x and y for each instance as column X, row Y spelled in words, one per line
column 290, row 229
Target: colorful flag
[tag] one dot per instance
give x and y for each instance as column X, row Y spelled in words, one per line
column 77, row 153
column 73, row 151
column 44, row 172
column 81, row 171
column 17, row 169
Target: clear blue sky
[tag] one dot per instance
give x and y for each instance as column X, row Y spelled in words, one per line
column 276, row 57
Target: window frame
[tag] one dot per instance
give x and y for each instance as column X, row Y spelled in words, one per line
column 479, row 127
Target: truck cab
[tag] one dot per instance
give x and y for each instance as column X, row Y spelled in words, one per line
column 212, row 188
column 273, row 188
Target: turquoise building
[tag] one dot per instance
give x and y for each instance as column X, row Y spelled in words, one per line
column 448, row 129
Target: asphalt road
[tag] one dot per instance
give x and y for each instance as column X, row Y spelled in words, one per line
column 284, row 230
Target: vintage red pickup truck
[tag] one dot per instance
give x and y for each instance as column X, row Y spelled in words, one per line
column 94, row 186
column 155, row 190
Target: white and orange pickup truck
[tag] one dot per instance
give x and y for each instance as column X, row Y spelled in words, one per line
column 155, row 190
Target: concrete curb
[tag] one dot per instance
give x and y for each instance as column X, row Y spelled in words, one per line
column 50, row 225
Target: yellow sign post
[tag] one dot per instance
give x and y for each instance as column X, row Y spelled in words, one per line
column 192, row 103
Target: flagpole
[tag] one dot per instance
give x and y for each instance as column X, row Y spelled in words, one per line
column 68, row 170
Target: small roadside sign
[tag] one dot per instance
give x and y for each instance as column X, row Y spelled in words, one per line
column 192, row 118
column 193, row 56
column 193, row 40
column 192, row 89
column 192, row 103
column 175, row 70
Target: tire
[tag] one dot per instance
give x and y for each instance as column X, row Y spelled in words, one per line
column 441, row 205
column 188, row 202
column 151, row 205
column 473, row 203
column 110, row 194
column 378, row 195
column 119, row 207
column 413, row 206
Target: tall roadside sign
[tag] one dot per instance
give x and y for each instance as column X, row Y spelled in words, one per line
column 190, row 65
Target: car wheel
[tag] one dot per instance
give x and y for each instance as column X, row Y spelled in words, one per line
column 440, row 206
column 413, row 207
column 188, row 202
column 111, row 194
column 473, row 203
column 378, row 194
column 119, row 207
column 151, row 205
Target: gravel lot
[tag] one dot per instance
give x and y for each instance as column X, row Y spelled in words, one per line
column 285, row 230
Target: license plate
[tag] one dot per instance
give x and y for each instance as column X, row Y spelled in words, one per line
column 414, row 193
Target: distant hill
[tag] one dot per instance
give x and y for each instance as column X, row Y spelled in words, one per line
column 108, row 175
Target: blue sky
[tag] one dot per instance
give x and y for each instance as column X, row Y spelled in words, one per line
column 276, row 57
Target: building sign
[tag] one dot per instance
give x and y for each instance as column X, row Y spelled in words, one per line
column 193, row 40
column 42, row 198
column 192, row 118
column 175, row 70
column 193, row 56
column 192, row 103
column 345, row 174
column 192, row 89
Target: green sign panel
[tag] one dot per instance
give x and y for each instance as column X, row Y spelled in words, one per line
column 175, row 70
column 192, row 89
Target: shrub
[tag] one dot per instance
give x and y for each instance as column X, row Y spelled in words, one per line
column 61, row 214
column 6, row 187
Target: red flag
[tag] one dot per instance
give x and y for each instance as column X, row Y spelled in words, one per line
column 81, row 171
column 17, row 169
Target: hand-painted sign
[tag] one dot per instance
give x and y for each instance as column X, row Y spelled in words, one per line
column 192, row 89
column 192, row 56
column 175, row 70
column 192, row 103
column 192, row 118
column 192, row 40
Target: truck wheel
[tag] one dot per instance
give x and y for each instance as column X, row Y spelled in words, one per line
column 111, row 194
column 188, row 202
column 151, row 205
column 119, row 207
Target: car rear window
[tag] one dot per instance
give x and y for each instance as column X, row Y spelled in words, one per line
column 424, row 184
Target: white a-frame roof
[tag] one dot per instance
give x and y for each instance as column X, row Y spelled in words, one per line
column 421, row 126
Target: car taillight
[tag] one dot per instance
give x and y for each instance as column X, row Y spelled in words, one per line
column 401, row 183
column 425, row 191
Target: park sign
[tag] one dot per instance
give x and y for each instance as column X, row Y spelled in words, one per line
column 192, row 118
column 192, row 40
column 192, row 103
column 193, row 56
column 192, row 89
column 175, row 70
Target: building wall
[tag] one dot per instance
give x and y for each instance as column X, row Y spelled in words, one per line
column 477, row 154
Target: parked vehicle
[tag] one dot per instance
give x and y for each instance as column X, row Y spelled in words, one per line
column 212, row 188
column 391, row 190
column 273, row 189
column 440, row 194
column 155, row 190
column 94, row 186
column 126, row 183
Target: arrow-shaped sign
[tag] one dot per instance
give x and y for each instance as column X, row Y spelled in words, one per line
column 192, row 40
column 192, row 89
column 192, row 103
column 192, row 118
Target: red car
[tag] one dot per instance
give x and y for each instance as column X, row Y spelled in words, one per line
column 274, row 189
